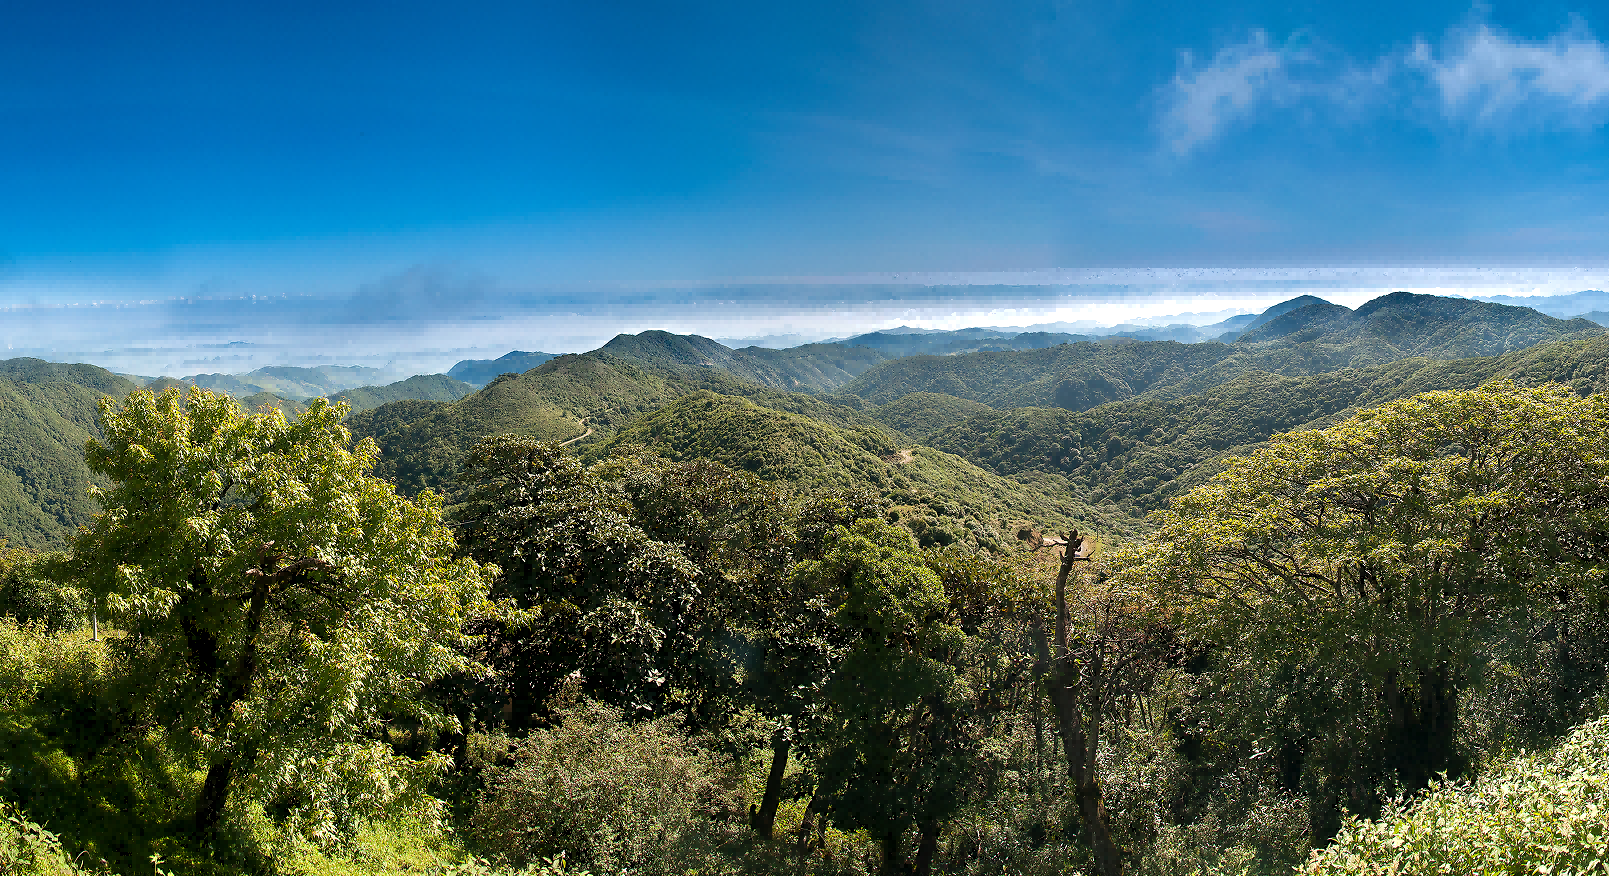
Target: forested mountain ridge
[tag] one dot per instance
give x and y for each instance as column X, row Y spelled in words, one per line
column 479, row 372
column 1140, row 452
column 294, row 382
column 1403, row 325
column 47, row 412
column 1312, row 338
column 1075, row 376
column 943, row 498
column 808, row 368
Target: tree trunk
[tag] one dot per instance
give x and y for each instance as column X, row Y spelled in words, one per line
column 893, row 860
column 1423, row 727
column 214, row 794
column 1081, row 769
column 803, row 844
column 1080, row 733
column 766, row 819
column 925, row 852
column 236, row 687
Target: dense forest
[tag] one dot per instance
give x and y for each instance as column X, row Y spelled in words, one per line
column 1325, row 595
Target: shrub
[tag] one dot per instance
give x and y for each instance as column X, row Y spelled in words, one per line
column 607, row 793
column 1539, row 813
column 26, row 849
column 31, row 592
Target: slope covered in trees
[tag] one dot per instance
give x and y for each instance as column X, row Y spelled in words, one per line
column 810, row 368
column 1138, row 453
column 47, row 412
column 942, row 497
column 1314, row 338
column 479, row 372
column 421, row 387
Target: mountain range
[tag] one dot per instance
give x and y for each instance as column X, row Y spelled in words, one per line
column 966, row 446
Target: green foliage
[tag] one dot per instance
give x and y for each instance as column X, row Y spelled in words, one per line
column 1536, row 813
column 47, row 412
column 1074, row 376
column 809, row 368
column 608, row 794
column 922, row 414
column 893, row 609
column 26, row 849
column 1353, row 580
column 423, row 387
column 33, row 589
column 590, row 591
column 280, row 602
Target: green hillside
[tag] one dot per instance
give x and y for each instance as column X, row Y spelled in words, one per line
column 1138, row 453
column 1073, row 376
column 423, row 387
column 1313, row 338
column 293, row 382
column 422, row 441
column 921, row 414
column 47, row 412
column 479, row 372
column 937, row 491
column 810, row 368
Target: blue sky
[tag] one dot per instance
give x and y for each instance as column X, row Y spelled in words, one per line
column 161, row 151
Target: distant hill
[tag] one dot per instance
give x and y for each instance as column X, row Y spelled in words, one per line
column 1305, row 335
column 1138, row 453
column 1402, row 325
column 47, row 412
column 1074, row 376
column 479, row 372
column 1562, row 306
column 894, row 344
column 423, row 387
column 810, row 368
column 294, row 382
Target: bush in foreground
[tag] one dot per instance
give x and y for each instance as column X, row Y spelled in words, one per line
column 1539, row 813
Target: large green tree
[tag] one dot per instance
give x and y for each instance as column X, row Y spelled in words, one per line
column 893, row 745
column 1355, row 581
column 278, row 603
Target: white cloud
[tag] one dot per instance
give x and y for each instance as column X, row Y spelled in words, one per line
column 1201, row 102
column 1478, row 77
column 1487, row 78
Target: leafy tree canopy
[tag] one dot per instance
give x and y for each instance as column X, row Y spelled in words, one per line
column 1356, row 578
column 279, row 602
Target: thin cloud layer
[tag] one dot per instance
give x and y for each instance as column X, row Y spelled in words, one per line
column 1479, row 78
column 1238, row 81
column 1488, row 79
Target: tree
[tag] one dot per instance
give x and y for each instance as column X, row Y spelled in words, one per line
column 278, row 602
column 893, row 748
column 590, row 591
column 1106, row 651
column 1352, row 580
